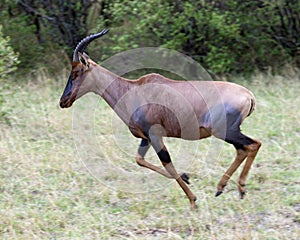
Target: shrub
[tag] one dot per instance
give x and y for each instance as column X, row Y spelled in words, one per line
column 8, row 58
column 8, row 63
column 233, row 36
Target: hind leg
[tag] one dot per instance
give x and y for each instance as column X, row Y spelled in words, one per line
column 240, row 157
column 246, row 148
column 252, row 150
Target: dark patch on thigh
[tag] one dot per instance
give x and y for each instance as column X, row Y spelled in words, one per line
column 233, row 119
column 221, row 119
column 224, row 121
column 233, row 131
column 238, row 139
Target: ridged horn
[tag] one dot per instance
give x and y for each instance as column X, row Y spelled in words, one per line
column 82, row 45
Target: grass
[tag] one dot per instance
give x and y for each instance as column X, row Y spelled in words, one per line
column 71, row 174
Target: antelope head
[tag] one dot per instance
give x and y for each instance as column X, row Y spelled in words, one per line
column 79, row 83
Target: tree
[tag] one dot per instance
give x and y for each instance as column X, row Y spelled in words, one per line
column 67, row 22
column 231, row 36
column 45, row 30
column 282, row 23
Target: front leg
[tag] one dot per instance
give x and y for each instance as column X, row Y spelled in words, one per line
column 140, row 160
column 165, row 158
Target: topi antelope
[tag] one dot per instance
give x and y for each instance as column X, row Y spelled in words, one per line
column 154, row 107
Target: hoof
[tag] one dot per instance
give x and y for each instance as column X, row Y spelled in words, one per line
column 242, row 195
column 218, row 193
column 185, row 178
column 194, row 207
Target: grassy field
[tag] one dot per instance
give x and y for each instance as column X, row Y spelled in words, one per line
column 71, row 174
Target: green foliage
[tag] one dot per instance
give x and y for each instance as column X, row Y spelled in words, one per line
column 8, row 64
column 8, row 58
column 22, row 37
column 45, row 32
column 231, row 37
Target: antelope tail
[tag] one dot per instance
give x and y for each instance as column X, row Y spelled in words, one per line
column 252, row 106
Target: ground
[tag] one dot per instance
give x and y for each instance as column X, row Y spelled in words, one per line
column 71, row 174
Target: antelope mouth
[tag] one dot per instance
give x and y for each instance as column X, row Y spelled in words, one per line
column 66, row 102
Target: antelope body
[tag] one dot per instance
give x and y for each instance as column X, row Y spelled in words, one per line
column 154, row 107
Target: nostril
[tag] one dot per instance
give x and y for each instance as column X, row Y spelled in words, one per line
column 61, row 103
column 67, row 101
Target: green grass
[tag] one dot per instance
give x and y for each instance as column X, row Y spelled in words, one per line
column 71, row 174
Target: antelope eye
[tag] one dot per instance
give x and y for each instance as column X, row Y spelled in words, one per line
column 83, row 61
column 75, row 75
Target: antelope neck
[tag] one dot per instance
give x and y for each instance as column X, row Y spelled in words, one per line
column 110, row 86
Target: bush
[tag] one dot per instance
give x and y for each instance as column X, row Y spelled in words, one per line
column 231, row 36
column 8, row 58
column 8, row 64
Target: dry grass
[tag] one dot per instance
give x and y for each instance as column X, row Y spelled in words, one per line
column 70, row 174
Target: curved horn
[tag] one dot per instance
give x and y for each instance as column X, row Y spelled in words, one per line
column 81, row 46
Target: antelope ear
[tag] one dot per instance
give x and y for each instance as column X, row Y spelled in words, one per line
column 83, row 58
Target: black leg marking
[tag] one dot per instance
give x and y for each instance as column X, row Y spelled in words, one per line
column 143, row 148
column 144, row 143
column 165, row 159
column 218, row 193
column 164, row 156
column 242, row 194
column 185, row 178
